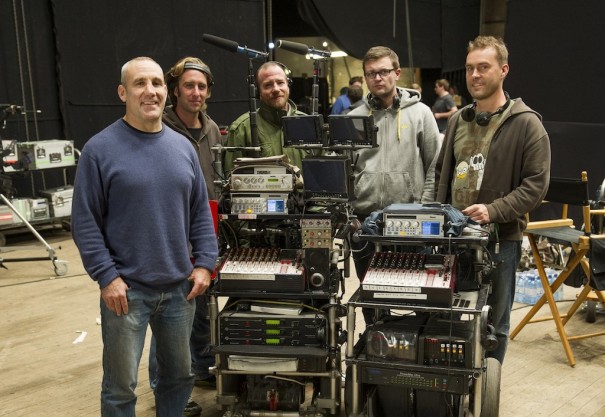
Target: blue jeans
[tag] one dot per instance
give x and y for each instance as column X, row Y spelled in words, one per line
column 199, row 344
column 170, row 316
column 503, row 291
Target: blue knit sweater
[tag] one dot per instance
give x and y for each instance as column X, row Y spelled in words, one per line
column 139, row 199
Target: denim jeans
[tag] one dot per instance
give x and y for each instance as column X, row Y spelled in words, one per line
column 199, row 344
column 503, row 291
column 170, row 316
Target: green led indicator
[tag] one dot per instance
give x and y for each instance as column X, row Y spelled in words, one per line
column 272, row 331
column 272, row 322
column 272, row 341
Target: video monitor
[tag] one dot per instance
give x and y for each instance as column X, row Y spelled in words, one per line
column 303, row 130
column 352, row 131
column 327, row 178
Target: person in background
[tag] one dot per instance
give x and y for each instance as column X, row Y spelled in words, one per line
column 401, row 168
column 444, row 105
column 355, row 95
column 273, row 82
column 458, row 99
column 417, row 87
column 139, row 203
column 343, row 102
column 189, row 84
column 495, row 170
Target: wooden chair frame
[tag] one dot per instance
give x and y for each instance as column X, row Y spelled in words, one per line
column 566, row 192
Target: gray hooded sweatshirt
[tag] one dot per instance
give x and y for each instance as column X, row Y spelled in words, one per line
column 402, row 168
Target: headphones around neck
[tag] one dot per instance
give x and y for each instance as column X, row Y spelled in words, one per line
column 376, row 104
column 482, row 119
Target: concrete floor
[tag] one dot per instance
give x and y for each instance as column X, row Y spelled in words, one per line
column 50, row 348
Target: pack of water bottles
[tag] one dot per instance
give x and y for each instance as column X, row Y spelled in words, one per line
column 528, row 287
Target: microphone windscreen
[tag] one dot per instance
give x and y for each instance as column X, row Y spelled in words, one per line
column 220, row 42
column 299, row 48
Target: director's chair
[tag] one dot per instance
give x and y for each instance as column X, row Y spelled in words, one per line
column 567, row 192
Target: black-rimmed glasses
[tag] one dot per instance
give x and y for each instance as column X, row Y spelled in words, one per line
column 382, row 73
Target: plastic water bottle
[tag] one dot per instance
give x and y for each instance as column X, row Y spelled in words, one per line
column 553, row 274
column 539, row 287
column 520, row 287
column 532, row 289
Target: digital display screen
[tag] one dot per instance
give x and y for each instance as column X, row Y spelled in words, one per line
column 351, row 130
column 276, row 206
column 326, row 176
column 431, row 229
column 303, row 130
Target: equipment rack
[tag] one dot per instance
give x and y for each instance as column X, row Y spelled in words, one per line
column 476, row 387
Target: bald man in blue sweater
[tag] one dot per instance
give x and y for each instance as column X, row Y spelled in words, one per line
column 139, row 200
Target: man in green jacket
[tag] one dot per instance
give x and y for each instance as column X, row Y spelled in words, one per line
column 273, row 82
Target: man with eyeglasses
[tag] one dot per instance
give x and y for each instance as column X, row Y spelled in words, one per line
column 401, row 168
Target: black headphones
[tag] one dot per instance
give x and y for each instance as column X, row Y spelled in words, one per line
column 287, row 71
column 482, row 119
column 376, row 104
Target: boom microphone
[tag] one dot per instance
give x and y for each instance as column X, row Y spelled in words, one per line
column 301, row 48
column 232, row 46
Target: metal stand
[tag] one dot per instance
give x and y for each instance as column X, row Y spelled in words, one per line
column 482, row 376
column 60, row 266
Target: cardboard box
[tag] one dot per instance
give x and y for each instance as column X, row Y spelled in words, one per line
column 60, row 200
column 44, row 154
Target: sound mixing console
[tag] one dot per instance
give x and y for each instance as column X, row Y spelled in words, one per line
column 410, row 278
column 262, row 269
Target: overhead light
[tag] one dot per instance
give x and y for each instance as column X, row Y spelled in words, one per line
column 339, row 54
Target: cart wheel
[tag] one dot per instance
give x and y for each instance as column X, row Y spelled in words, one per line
column 60, row 268
column 348, row 394
column 491, row 388
column 591, row 311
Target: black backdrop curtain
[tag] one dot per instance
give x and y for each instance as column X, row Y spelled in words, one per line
column 63, row 57
column 439, row 29
column 555, row 66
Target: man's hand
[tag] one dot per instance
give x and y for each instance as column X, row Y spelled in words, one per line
column 477, row 213
column 201, row 281
column 114, row 296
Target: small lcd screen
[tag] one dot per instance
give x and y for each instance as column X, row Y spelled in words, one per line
column 351, row 130
column 302, row 130
column 431, row 229
column 275, row 206
column 326, row 176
